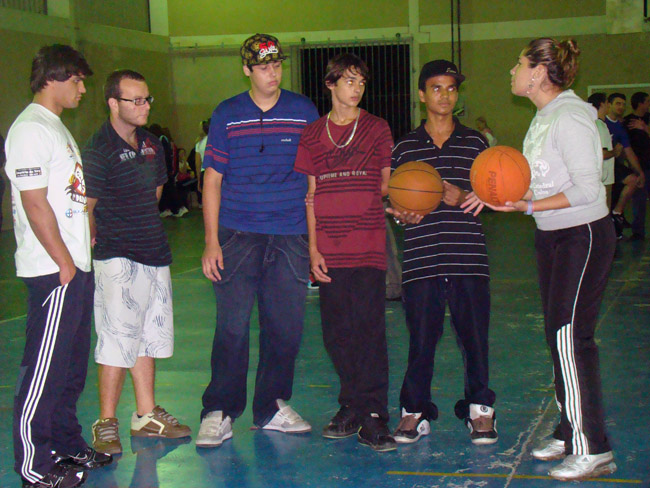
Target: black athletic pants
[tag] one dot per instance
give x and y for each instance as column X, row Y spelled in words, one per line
column 573, row 266
column 52, row 372
column 353, row 317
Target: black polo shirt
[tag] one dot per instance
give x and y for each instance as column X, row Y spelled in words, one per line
column 124, row 182
column 447, row 242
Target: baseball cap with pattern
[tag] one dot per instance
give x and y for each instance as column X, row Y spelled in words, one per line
column 261, row 49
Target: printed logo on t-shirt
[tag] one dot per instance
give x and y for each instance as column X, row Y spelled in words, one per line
column 127, row 154
column 77, row 188
column 27, row 172
column 288, row 139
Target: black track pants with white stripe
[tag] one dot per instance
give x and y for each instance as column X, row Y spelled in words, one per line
column 573, row 266
column 52, row 372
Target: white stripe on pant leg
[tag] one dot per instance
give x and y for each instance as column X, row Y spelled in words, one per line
column 56, row 299
column 570, row 371
column 572, row 400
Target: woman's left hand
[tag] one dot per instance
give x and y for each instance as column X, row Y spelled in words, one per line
column 473, row 202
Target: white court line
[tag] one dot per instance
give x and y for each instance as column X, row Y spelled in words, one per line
column 4, row 321
column 531, row 432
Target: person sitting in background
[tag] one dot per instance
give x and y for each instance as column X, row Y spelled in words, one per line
column 200, row 154
column 632, row 176
column 186, row 181
column 170, row 203
column 481, row 125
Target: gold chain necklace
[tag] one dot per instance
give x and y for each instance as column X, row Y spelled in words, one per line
column 354, row 130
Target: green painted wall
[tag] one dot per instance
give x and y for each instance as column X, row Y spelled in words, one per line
column 234, row 17
column 604, row 60
column 132, row 14
column 439, row 12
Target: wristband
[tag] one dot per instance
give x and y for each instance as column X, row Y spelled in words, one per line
column 399, row 222
column 529, row 211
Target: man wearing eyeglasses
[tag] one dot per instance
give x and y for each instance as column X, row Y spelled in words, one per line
column 256, row 245
column 125, row 173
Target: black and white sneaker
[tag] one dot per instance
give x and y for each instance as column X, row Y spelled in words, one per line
column 482, row 424
column 87, row 459
column 374, row 433
column 619, row 224
column 411, row 427
column 59, row 477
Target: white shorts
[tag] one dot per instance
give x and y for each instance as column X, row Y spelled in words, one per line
column 133, row 312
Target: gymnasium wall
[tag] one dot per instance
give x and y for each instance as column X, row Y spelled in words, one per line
column 207, row 69
column 105, row 47
column 198, row 65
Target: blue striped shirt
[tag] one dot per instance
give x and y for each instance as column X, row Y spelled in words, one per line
column 255, row 151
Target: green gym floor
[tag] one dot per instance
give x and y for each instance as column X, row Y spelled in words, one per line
column 520, row 374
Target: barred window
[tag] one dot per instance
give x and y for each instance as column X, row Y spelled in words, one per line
column 388, row 93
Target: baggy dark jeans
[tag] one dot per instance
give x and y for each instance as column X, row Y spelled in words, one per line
column 275, row 270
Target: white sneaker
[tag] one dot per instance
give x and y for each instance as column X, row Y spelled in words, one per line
column 287, row 420
column 549, row 451
column 577, row 468
column 214, row 430
column 181, row 211
column 165, row 213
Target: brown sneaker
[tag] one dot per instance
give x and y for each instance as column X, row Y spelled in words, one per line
column 106, row 436
column 158, row 423
column 411, row 427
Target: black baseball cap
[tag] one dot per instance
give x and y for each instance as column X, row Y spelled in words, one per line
column 437, row 68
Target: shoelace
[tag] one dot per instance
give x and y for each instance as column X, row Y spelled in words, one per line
column 289, row 414
column 213, row 427
column 107, row 432
column 162, row 413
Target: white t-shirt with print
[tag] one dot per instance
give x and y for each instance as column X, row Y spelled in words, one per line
column 41, row 153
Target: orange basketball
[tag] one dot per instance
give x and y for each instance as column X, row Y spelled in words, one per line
column 500, row 174
column 415, row 187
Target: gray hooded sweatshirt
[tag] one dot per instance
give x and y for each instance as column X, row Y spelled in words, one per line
column 565, row 155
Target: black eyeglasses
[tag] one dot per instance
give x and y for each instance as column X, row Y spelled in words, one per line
column 138, row 101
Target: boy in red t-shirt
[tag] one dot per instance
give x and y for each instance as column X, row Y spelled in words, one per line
column 346, row 157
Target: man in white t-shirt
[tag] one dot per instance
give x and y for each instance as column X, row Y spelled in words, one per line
column 610, row 153
column 53, row 259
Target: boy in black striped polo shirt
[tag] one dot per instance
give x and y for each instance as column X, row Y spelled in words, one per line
column 445, row 263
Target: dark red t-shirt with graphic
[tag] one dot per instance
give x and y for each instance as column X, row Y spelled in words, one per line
column 350, row 223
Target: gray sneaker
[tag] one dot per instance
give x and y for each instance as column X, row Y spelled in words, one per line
column 214, row 430
column 577, row 468
column 549, row 451
column 287, row 420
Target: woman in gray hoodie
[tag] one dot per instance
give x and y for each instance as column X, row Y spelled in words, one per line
column 574, row 242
